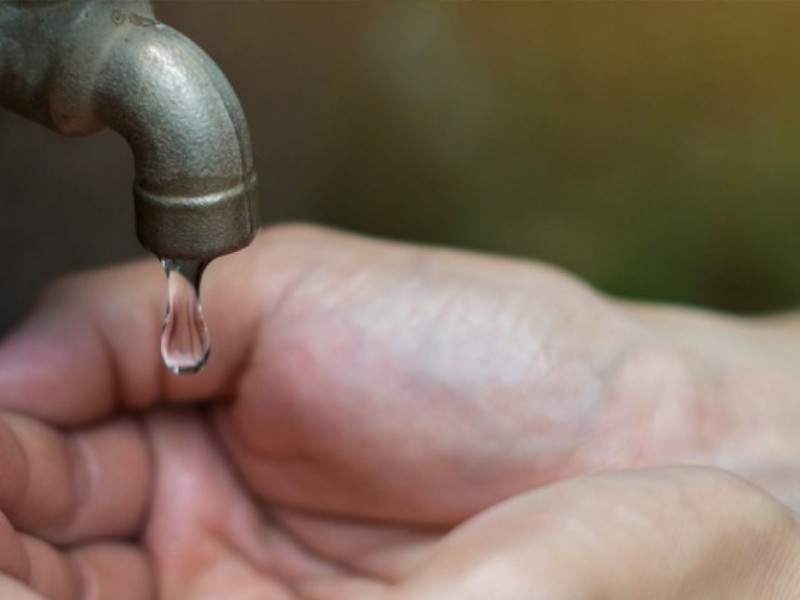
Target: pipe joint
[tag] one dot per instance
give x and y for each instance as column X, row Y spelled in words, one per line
column 77, row 66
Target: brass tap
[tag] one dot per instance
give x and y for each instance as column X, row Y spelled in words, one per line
column 77, row 66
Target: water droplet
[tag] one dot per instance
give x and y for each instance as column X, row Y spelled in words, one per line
column 185, row 343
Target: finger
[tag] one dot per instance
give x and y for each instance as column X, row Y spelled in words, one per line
column 103, row 571
column 62, row 362
column 12, row 589
column 13, row 557
column 114, row 572
column 661, row 533
column 77, row 486
column 51, row 573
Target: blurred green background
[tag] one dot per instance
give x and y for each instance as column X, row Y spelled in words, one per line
column 650, row 148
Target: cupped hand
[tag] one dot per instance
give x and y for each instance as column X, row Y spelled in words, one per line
column 362, row 399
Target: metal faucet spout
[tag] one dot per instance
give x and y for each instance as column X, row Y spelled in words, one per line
column 77, row 66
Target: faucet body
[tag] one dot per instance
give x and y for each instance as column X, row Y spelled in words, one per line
column 77, row 66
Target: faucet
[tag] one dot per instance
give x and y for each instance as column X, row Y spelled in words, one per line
column 77, row 66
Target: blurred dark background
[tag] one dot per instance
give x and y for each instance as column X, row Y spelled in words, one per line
column 652, row 149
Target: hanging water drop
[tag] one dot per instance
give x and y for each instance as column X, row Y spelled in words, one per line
column 185, row 343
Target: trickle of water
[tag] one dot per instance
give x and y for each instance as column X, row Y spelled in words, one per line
column 185, row 343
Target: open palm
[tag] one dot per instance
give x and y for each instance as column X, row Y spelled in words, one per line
column 363, row 400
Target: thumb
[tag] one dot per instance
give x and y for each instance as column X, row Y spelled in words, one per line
column 91, row 344
column 666, row 533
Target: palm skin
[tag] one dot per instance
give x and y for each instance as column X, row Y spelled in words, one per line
column 363, row 400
